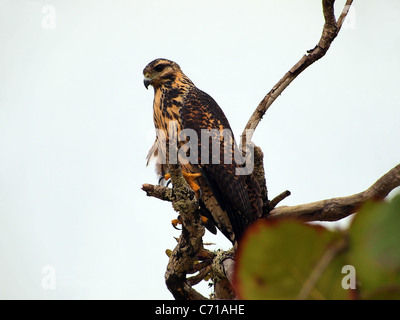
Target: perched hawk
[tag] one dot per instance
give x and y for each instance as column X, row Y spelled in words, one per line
column 229, row 201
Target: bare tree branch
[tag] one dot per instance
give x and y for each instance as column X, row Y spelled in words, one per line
column 344, row 13
column 338, row 208
column 159, row 192
column 274, row 202
column 329, row 33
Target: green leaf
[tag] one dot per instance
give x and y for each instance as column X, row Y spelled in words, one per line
column 375, row 249
column 289, row 260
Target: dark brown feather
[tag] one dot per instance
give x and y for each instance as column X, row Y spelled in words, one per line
column 200, row 111
column 230, row 201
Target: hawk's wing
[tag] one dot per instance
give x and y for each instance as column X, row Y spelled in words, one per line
column 200, row 111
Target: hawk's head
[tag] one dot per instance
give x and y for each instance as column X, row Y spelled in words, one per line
column 159, row 72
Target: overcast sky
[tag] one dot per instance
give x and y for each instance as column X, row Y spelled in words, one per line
column 76, row 125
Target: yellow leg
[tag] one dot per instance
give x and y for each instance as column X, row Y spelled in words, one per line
column 190, row 179
column 177, row 221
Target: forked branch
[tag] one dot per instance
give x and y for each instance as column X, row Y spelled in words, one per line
column 330, row 31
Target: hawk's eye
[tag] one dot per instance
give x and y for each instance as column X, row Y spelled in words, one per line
column 160, row 67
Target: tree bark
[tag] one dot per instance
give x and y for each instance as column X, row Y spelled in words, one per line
column 338, row 208
column 190, row 241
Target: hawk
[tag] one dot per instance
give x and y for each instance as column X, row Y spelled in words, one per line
column 229, row 201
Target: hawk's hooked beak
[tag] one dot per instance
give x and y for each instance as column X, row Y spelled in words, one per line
column 146, row 82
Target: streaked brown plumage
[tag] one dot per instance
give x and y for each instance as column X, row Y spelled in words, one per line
column 230, row 201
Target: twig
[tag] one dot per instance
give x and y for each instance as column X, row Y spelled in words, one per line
column 344, row 13
column 159, row 192
column 274, row 202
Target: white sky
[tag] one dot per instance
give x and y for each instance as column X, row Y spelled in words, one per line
column 76, row 125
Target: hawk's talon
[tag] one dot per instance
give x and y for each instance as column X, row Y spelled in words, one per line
column 200, row 193
column 166, row 178
column 190, row 179
column 178, row 220
column 175, row 222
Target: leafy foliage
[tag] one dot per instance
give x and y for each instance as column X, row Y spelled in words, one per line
column 375, row 249
column 293, row 260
